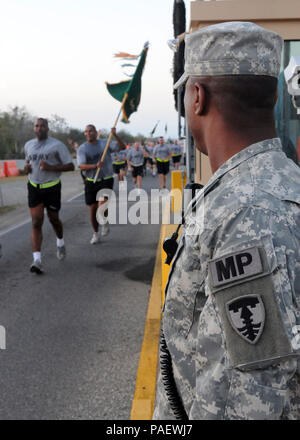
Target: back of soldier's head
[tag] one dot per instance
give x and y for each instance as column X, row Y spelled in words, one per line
column 242, row 98
column 238, row 64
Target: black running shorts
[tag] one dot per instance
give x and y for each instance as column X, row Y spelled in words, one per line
column 163, row 167
column 137, row 171
column 176, row 159
column 118, row 167
column 91, row 189
column 49, row 197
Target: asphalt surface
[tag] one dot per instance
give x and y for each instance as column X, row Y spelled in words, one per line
column 73, row 335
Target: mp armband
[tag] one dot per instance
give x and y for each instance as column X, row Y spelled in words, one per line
column 245, row 295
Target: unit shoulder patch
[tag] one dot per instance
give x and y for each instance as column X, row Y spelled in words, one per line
column 235, row 266
column 246, row 314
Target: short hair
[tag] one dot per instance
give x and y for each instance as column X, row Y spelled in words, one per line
column 91, row 125
column 44, row 120
column 242, row 98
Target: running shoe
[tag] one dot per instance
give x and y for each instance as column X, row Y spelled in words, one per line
column 95, row 238
column 105, row 229
column 36, row 267
column 61, row 252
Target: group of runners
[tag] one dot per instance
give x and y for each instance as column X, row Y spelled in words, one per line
column 140, row 157
column 46, row 158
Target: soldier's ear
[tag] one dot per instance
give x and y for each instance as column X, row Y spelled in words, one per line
column 200, row 99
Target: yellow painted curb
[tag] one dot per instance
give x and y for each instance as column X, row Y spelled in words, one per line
column 144, row 396
column 176, row 185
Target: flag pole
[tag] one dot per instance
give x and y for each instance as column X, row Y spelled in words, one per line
column 110, row 137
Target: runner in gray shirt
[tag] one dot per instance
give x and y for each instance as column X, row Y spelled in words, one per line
column 176, row 154
column 148, row 153
column 46, row 158
column 89, row 160
column 119, row 163
column 135, row 159
column 161, row 155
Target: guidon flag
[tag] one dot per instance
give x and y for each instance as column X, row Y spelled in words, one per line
column 129, row 89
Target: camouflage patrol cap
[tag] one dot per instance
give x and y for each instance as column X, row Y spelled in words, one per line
column 232, row 48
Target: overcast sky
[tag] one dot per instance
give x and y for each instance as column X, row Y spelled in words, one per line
column 56, row 56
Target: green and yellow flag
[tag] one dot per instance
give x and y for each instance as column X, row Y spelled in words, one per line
column 130, row 88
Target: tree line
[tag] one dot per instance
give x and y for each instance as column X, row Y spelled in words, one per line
column 16, row 128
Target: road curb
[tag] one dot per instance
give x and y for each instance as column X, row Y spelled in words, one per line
column 144, row 396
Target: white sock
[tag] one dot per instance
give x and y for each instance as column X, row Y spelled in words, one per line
column 37, row 256
column 60, row 242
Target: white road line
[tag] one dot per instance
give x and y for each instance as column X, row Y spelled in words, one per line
column 12, row 228
column 75, row 197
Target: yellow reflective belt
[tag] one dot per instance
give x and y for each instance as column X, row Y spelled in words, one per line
column 162, row 160
column 45, row 185
column 99, row 180
column 119, row 163
column 179, row 154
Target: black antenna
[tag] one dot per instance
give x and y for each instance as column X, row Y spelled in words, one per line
column 179, row 25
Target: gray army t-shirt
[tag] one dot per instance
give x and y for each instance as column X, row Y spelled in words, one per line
column 50, row 150
column 161, row 151
column 149, row 150
column 176, row 149
column 135, row 157
column 119, row 156
column 89, row 154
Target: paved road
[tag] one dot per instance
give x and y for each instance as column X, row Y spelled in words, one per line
column 74, row 334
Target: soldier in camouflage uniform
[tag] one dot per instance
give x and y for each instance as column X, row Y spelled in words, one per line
column 232, row 311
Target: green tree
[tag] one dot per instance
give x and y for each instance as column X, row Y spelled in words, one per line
column 126, row 137
column 16, row 128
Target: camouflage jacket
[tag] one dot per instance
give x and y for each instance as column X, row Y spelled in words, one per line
column 232, row 310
